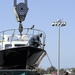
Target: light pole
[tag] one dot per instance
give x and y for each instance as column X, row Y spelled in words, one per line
column 59, row 23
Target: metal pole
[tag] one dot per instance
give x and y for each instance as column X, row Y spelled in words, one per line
column 15, row 2
column 59, row 51
column 59, row 24
column 26, row 2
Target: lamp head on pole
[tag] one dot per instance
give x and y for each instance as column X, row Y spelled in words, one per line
column 59, row 22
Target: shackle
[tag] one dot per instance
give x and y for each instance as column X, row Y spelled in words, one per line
column 15, row 2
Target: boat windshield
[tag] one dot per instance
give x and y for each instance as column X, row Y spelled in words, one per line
column 19, row 45
column 8, row 46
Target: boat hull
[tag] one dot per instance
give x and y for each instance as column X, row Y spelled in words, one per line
column 21, row 58
column 18, row 72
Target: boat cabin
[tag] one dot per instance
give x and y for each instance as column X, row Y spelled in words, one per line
column 19, row 41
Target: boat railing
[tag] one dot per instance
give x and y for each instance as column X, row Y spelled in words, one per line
column 13, row 35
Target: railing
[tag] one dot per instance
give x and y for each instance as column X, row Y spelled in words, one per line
column 11, row 35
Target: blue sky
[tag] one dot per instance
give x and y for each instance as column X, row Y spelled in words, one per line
column 42, row 13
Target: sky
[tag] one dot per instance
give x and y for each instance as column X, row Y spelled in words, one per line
column 42, row 13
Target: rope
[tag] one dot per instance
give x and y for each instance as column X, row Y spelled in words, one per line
column 49, row 60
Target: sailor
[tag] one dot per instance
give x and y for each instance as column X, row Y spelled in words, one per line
column 35, row 40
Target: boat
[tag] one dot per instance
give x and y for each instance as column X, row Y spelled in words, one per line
column 17, row 55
